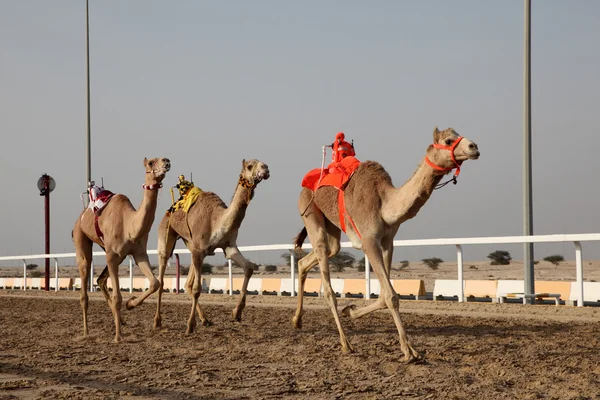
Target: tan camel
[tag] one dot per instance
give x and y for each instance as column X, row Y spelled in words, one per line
column 210, row 225
column 125, row 232
column 377, row 209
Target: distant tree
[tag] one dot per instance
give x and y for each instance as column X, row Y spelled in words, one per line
column 342, row 260
column 360, row 265
column 37, row 274
column 207, row 268
column 270, row 268
column 404, row 264
column 432, row 263
column 500, row 257
column 298, row 254
column 555, row 259
column 29, row 267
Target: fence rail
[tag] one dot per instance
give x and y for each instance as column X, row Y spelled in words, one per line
column 576, row 239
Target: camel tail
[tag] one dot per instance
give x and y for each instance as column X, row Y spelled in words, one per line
column 298, row 240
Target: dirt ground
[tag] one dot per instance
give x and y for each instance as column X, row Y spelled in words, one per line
column 472, row 351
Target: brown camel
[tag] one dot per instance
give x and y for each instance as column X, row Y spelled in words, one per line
column 377, row 209
column 208, row 225
column 125, row 232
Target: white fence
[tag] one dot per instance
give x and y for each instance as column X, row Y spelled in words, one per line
column 576, row 239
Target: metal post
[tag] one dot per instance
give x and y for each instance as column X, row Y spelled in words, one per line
column 579, row 266
column 527, row 175
column 24, row 275
column 177, row 273
column 130, row 274
column 89, row 134
column 56, row 273
column 293, row 273
column 47, row 230
column 368, row 277
column 230, row 277
column 92, row 275
column 459, row 262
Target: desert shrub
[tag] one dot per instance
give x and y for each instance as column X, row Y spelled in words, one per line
column 207, row 268
column 298, row 254
column 554, row 259
column 184, row 270
column 433, row 262
column 342, row 260
column 404, row 264
column 473, row 267
column 36, row 274
column 360, row 265
column 500, row 257
column 29, row 267
column 270, row 268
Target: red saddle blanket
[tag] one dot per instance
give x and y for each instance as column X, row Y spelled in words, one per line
column 336, row 174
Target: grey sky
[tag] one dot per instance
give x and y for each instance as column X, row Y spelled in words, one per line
column 207, row 84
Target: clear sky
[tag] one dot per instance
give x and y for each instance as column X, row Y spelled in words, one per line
column 208, row 84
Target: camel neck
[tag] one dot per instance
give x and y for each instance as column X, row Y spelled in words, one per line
column 145, row 213
column 239, row 204
column 404, row 203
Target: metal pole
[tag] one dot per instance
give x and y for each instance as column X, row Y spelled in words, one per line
column 367, row 277
column 47, row 234
column 230, row 277
column 579, row 269
column 529, row 279
column 177, row 273
column 56, row 274
column 89, row 139
column 293, row 273
column 461, row 279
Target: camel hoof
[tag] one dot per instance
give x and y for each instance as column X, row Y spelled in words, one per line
column 347, row 311
column 349, row 349
column 128, row 305
column 206, row 323
column 123, row 323
column 297, row 322
column 237, row 315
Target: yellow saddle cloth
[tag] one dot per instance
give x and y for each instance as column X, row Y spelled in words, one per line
column 187, row 201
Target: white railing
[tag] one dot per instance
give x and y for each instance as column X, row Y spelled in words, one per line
column 576, row 239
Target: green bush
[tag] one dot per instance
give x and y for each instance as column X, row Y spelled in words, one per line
column 500, row 257
column 433, row 262
column 554, row 259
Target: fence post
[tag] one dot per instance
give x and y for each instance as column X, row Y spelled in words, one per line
column 56, row 274
column 579, row 267
column 293, row 273
column 24, row 275
column 177, row 273
column 130, row 274
column 91, row 284
column 230, row 277
column 367, row 278
column 459, row 261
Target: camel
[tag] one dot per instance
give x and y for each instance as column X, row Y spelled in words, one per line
column 374, row 211
column 208, row 225
column 125, row 232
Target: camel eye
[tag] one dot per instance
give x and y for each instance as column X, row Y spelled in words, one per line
column 249, row 167
column 448, row 142
column 150, row 163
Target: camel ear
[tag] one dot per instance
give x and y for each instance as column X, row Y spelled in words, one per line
column 436, row 134
column 243, row 163
column 145, row 161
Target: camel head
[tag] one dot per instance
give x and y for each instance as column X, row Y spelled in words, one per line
column 449, row 150
column 156, row 169
column 254, row 171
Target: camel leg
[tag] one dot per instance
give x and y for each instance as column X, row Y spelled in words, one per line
column 305, row 264
column 189, row 283
column 102, row 279
column 114, row 261
column 234, row 254
column 142, row 261
column 83, row 249
column 375, row 253
column 166, row 244
column 379, row 304
column 194, row 287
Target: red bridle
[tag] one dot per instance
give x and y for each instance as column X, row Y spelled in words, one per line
column 451, row 150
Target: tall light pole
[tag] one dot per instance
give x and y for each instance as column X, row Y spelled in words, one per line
column 527, row 190
column 89, row 138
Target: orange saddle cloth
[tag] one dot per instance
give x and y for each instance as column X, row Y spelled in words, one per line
column 336, row 174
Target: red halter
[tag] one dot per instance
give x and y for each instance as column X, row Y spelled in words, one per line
column 451, row 149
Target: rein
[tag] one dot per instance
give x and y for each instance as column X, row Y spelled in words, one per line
column 248, row 185
column 456, row 164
